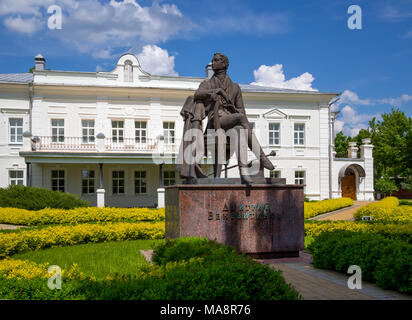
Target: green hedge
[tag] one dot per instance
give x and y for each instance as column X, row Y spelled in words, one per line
column 185, row 269
column 387, row 262
column 31, row 198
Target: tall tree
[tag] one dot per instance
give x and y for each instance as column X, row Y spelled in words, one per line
column 392, row 140
column 341, row 145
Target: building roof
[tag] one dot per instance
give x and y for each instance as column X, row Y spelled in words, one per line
column 255, row 88
column 16, row 77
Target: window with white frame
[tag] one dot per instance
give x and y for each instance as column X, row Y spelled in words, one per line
column 275, row 174
column 88, row 181
column 169, row 178
column 117, row 131
column 88, row 131
column 57, row 126
column 169, row 132
column 274, row 134
column 118, row 182
column 300, row 177
column 16, row 130
column 140, row 182
column 140, row 131
column 57, row 180
column 299, row 134
column 16, row 177
column 128, row 71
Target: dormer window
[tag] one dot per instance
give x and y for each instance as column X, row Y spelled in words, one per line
column 128, row 71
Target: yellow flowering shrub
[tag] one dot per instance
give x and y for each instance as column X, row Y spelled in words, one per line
column 312, row 209
column 27, row 270
column 386, row 210
column 400, row 231
column 22, row 269
column 78, row 215
column 54, row 236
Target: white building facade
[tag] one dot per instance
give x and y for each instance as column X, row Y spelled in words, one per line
column 114, row 136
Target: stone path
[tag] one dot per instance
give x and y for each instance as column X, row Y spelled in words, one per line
column 10, row 227
column 319, row 284
column 342, row 214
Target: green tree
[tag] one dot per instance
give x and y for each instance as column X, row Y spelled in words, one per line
column 392, row 138
column 385, row 185
column 341, row 145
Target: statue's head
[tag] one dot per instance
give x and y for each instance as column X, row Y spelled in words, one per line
column 220, row 61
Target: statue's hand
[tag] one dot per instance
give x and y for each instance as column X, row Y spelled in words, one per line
column 222, row 93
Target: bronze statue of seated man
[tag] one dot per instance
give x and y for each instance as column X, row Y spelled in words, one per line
column 222, row 97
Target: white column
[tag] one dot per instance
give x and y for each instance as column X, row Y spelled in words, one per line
column 161, row 197
column 100, row 198
column 100, row 142
column 324, row 154
column 352, row 150
column 366, row 150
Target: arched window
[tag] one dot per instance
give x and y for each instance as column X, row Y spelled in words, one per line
column 128, row 71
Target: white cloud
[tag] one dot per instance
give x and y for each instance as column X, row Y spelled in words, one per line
column 27, row 26
column 273, row 76
column 91, row 25
column 397, row 101
column 156, row 60
column 350, row 121
column 351, row 97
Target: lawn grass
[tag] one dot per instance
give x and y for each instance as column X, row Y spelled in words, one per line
column 98, row 259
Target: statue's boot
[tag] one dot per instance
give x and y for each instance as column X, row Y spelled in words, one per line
column 244, row 176
column 265, row 161
column 260, row 154
column 199, row 172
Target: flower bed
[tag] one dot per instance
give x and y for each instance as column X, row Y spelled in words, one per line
column 386, row 210
column 78, row 215
column 393, row 231
column 201, row 269
column 313, row 209
column 54, row 236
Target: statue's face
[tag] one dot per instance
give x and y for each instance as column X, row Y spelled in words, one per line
column 218, row 63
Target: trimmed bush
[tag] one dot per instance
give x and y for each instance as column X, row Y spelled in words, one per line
column 26, row 240
column 78, row 215
column 386, row 210
column 31, row 198
column 385, row 261
column 392, row 231
column 312, row 209
column 212, row 272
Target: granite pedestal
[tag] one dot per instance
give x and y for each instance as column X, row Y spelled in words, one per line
column 262, row 220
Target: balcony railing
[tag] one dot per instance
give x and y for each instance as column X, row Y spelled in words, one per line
column 82, row 144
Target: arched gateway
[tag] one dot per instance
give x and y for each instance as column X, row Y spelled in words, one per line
column 349, row 176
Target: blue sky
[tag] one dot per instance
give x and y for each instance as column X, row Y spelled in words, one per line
column 293, row 44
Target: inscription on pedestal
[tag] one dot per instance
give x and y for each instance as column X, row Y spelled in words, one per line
column 257, row 219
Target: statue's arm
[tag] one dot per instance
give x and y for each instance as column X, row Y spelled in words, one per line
column 203, row 93
column 239, row 101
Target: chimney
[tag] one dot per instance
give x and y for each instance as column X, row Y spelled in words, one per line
column 352, row 150
column 209, row 71
column 39, row 63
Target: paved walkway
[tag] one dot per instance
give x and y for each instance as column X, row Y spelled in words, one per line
column 319, row 284
column 342, row 214
column 10, row 227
